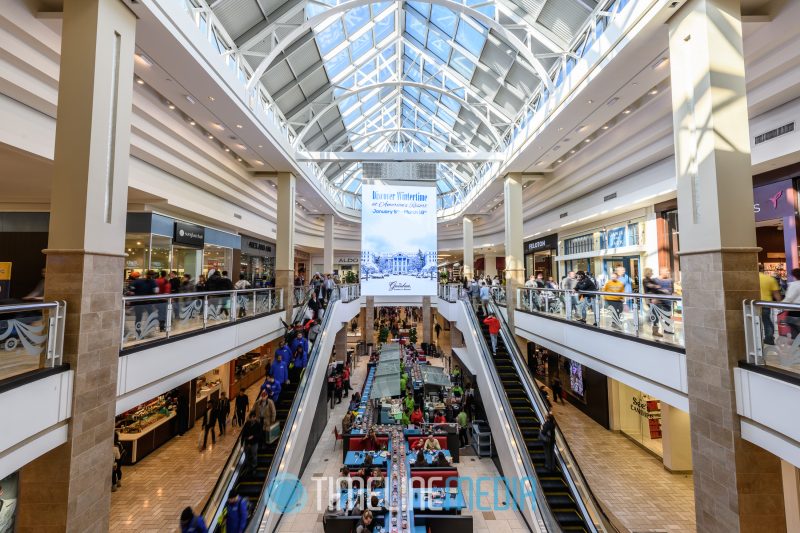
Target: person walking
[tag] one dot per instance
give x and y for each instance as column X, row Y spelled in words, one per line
column 793, row 297
column 242, row 403
column 116, row 473
column 463, row 422
column 236, row 509
column 187, row 285
column 330, row 284
column 770, row 292
column 494, row 329
column 437, row 329
column 652, row 286
column 190, row 523
column 614, row 302
column 209, row 421
column 558, row 391
column 584, row 283
column 485, row 294
column 223, row 412
column 475, row 294
column 314, row 305
column 547, row 434
column 163, row 286
column 252, row 435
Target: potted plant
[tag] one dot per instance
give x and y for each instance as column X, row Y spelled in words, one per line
column 383, row 334
column 350, row 277
column 412, row 335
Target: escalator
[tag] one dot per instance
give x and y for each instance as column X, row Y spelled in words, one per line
column 236, row 477
column 566, row 502
column 557, row 492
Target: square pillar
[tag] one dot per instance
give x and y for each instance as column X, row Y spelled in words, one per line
column 69, row 488
column 737, row 484
column 284, row 241
column 469, row 248
column 676, row 439
column 515, row 258
column 369, row 320
column 327, row 252
column 340, row 343
column 427, row 320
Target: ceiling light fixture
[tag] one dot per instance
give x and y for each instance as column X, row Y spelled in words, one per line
column 211, row 98
column 590, row 101
column 190, row 98
column 144, row 60
column 210, row 136
column 227, row 149
column 654, row 91
column 560, row 160
column 239, row 126
column 605, row 127
column 626, row 112
column 140, row 81
column 170, row 105
column 660, row 62
column 613, row 100
column 587, row 140
column 261, row 146
column 192, row 122
column 572, row 151
column 239, row 159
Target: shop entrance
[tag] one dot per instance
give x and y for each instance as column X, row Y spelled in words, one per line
column 186, row 260
column 631, row 266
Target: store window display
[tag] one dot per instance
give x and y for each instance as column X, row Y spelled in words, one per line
column 640, row 418
column 8, row 502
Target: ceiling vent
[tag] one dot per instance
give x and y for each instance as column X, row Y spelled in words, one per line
column 777, row 132
column 609, row 197
column 394, row 170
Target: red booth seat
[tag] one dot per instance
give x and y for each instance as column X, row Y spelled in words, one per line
column 424, row 478
column 412, row 441
column 357, row 444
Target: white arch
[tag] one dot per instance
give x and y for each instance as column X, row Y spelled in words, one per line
column 317, row 20
column 336, row 101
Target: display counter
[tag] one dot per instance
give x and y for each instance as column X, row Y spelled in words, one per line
column 250, row 372
column 152, row 435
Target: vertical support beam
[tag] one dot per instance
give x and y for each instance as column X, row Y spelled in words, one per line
column 68, row 488
column 284, row 241
column 515, row 258
column 791, row 495
column 369, row 322
column 327, row 252
column 737, row 484
column 340, row 343
column 469, row 248
column 427, row 320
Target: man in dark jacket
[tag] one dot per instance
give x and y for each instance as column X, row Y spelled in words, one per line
column 145, row 286
column 242, row 403
column 209, row 421
column 236, row 521
column 223, row 410
column 251, row 436
column 191, row 523
column 585, row 283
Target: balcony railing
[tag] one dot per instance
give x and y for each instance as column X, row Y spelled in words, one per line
column 644, row 316
column 771, row 333
column 349, row 292
column 31, row 337
column 151, row 318
column 450, row 291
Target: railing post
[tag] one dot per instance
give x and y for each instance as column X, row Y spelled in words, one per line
column 756, row 317
column 168, row 325
column 52, row 332
column 205, row 311
column 234, row 296
column 635, row 307
column 596, row 307
column 122, row 329
column 568, row 304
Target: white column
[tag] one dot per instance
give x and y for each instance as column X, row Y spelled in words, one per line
column 469, row 249
column 284, row 240
column 676, row 439
column 515, row 258
column 327, row 253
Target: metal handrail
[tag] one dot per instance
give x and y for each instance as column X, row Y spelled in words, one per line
column 647, row 295
column 524, row 456
column 54, row 350
column 277, row 458
column 754, row 335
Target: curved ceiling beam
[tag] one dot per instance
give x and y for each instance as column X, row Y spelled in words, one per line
column 359, row 136
column 333, row 11
column 399, row 84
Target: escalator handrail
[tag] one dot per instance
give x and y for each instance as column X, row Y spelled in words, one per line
column 277, row 458
column 569, row 465
column 542, row 506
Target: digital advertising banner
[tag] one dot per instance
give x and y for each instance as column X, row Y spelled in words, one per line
column 398, row 240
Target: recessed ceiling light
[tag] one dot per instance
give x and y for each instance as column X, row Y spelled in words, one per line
column 560, row 160
column 227, row 149
column 660, row 62
column 605, row 127
column 239, row 126
column 239, row 159
column 192, row 122
column 140, row 81
column 587, row 140
column 211, row 98
column 572, row 151
column 654, row 91
column 171, row 105
column 591, row 101
column 261, row 146
column 210, row 136
column 190, row 98
column 144, row 60
column 626, row 112
column 559, row 129
column 583, row 128
column 259, row 163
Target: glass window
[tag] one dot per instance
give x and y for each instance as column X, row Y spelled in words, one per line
column 421, row 7
column 438, row 45
column 444, row 19
column 470, row 38
column 415, row 27
column 356, row 18
column 217, row 257
column 330, row 37
column 137, row 252
column 160, row 253
column 384, row 27
column 337, row 63
column 361, row 46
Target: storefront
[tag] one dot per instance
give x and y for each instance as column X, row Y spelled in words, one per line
column 775, row 209
column 9, row 491
column 540, row 255
column 639, row 418
column 257, row 262
column 342, row 263
column 157, row 242
column 617, row 247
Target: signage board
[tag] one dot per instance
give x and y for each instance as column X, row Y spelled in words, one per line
column 549, row 242
column 775, row 200
column 189, row 234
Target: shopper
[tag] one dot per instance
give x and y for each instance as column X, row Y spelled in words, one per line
column 557, row 391
column 236, row 508
column 416, row 417
column 162, row 287
column 209, row 421
column 242, row 403
column 187, row 285
column 486, row 294
column 330, row 284
column 793, row 297
column 265, row 408
column 191, row 523
column 441, row 461
column 366, row 524
column 313, row 331
column 770, row 292
column 346, row 379
column 252, row 435
column 242, row 284
column 475, row 294
column 280, row 368
column 494, row 328
column 652, row 286
column 463, row 423
column 614, row 302
column 299, row 350
column 202, row 284
column 174, row 282
column 585, row 283
column 431, row 444
column 547, row 434
column 223, row 412
column 116, row 474
column 273, row 388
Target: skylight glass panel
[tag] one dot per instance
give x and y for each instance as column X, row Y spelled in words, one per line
column 330, row 37
column 446, row 117
column 470, row 38
column 428, row 101
column 450, row 103
column 380, row 7
column 444, row 19
column 335, row 65
column 384, row 27
column 361, row 46
column 421, row 7
column 415, row 26
column 355, row 19
column 462, row 65
column 438, row 45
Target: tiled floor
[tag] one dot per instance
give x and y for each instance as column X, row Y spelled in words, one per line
column 631, row 484
column 156, row 489
column 325, row 463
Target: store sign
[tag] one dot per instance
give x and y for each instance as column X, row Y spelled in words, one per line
column 189, row 234
column 775, row 200
column 545, row 243
column 348, row 260
column 615, row 238
column 254, row 245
